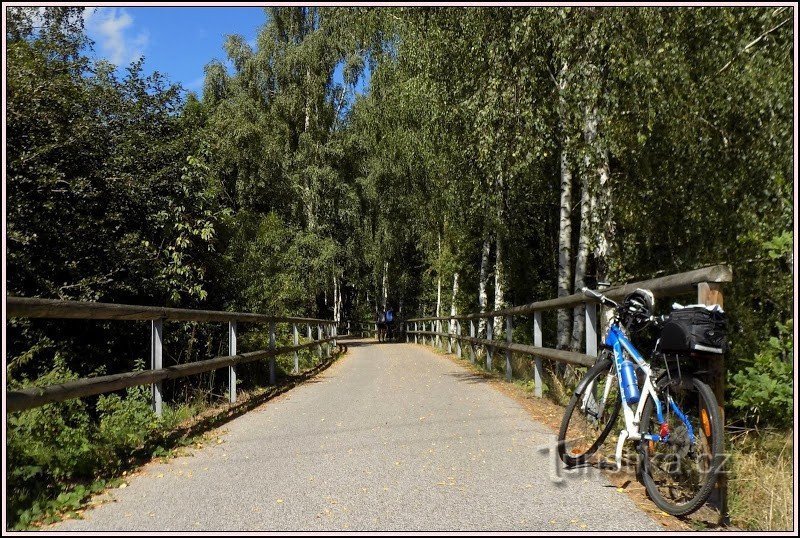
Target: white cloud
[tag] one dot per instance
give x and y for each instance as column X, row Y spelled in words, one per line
column 112, row 30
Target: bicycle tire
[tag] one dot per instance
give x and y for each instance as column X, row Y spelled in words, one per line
column 715, row 444
column 572, row 458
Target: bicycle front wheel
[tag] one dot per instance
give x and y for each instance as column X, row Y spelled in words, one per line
column 590, row 414
column 680, row 473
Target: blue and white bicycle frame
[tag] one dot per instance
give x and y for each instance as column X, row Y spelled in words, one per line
column 616, row 340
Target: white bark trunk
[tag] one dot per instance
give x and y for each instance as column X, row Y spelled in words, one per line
column 335, row 299
column 385, row 283
column 453, row 309
column 498, row 285
column 581, row 257
column 499, row 272
column 565, row 221
column 597, row 161
column 482, row 283
column 439, row 280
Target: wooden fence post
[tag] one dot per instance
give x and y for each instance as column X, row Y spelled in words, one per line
column 319, row 344
column 489, row 348
column 296, row 340
column 458, row 338
column 591, row 329
column 449, row 336
column 232, row 367
column 272, row 375
column 509, row 340
column 416, row 332
column 156, row 354
column 537, row 361
column 472, row 344
column 710, row 293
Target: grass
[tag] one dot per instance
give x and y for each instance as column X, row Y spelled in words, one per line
column 761, row 480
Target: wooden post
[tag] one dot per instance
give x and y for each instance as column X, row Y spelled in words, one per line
column 156, row 354
column 489, row 348
column 319, row 344
column 272, row 376
column 472, row 334
column 458, row 338
column 509, row 340
column 416, row 332
column 710, row 293
column 232, row 367
column 296, row 340
column 591, row 329
column 537, row 361
column 450, row 336
column 408, row 338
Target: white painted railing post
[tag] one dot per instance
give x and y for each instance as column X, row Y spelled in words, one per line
column 591, row 329
column 509, row 340
column 449, row 336
column 296, row 340
column 319, row 344
column 458, row 338
column 156, row 354
column 232, row 367
column 472, row 335
column 272, row 376
column 335, row 329
column 489, row 348
column 416, row 332
column 537, row 361
column 408, row 338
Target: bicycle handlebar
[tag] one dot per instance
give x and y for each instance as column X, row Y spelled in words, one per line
column 599, row 297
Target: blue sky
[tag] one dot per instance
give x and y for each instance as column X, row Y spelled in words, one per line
column 177, row 41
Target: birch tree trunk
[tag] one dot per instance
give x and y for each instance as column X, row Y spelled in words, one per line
column 439, row 280
column 581, row 258
column 335, row 298
column 499, row 272
column 482, row 282
column 597, row 160
column 498, row 284
column 453, row 309
column 565, row 220
column 385, row 283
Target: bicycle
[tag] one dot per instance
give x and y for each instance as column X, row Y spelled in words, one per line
column 676, row 419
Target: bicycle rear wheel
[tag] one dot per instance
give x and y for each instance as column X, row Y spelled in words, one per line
column 679, row 474
column 590, row 414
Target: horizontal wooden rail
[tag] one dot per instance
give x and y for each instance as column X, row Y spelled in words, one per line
column 28, row 398
column 19, row 307
column 20, row 400
column 558, row 355
column 670, row 285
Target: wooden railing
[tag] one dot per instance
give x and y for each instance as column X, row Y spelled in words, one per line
column 705, row 282
column 21, row 307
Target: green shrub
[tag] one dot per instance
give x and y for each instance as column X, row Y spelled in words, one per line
column 763, row 391
column 59, row 454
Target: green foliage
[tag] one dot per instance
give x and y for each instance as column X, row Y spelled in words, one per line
column 765, row 390
column 55, row 450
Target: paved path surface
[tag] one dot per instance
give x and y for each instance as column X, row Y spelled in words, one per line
column 393, row 437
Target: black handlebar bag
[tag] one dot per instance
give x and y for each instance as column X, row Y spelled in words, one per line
column 695, row 328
